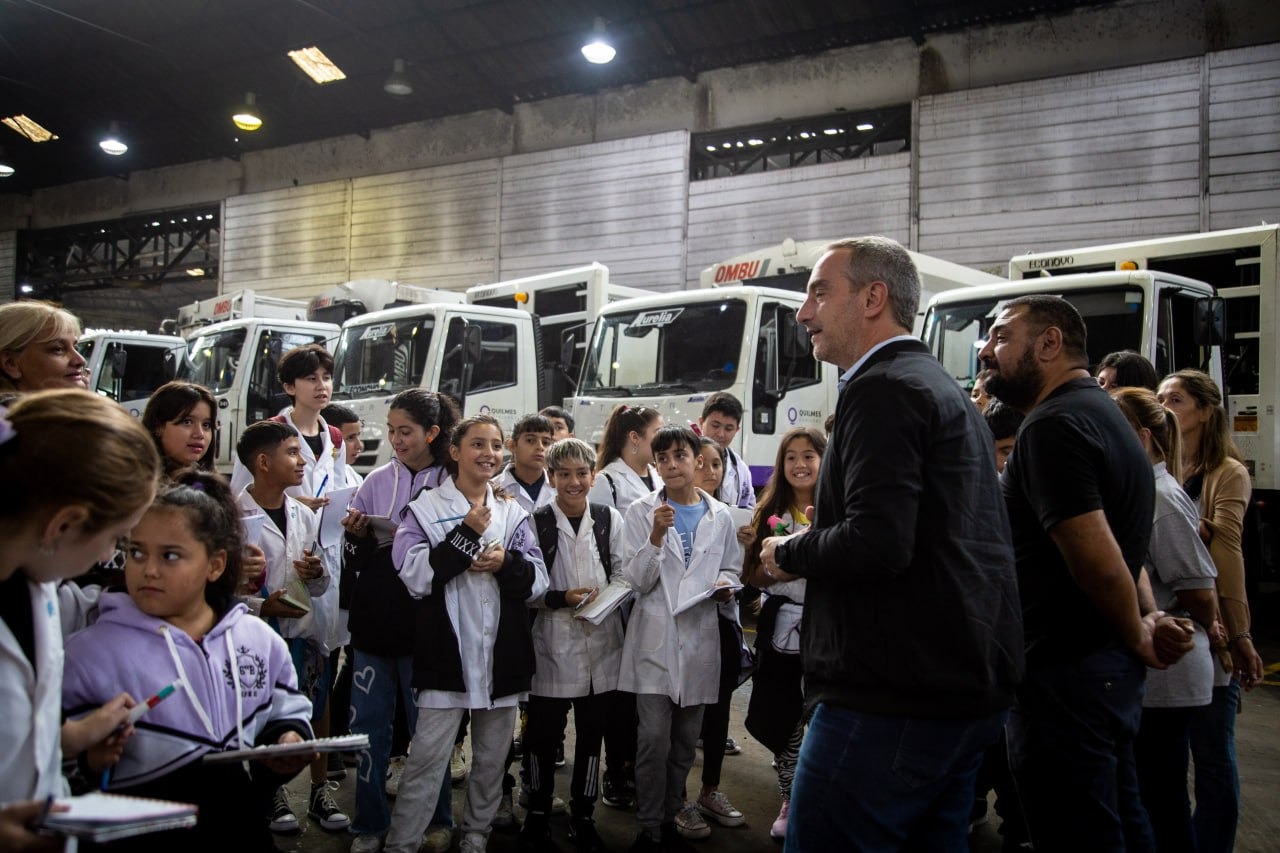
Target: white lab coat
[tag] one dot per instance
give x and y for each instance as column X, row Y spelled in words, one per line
column 471, row 599
column 31, row 705
column 576, row 658
column 507, row 483
column 626, row 483
column 281, row 551
column 675, row 656
column 736, row 486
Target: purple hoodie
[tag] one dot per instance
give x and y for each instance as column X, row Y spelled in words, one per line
column 238, row 685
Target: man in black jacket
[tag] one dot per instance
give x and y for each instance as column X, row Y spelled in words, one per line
column 912, row 632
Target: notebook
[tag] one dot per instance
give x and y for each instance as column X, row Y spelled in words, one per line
column 345, row 743
column 103, row 817
column 606, row 601
column 699, row 597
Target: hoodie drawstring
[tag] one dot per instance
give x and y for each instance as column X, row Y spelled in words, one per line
column 186, row 682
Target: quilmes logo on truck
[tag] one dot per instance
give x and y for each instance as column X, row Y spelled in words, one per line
column 1051, row 263
column 656, row 319
column 741, row 271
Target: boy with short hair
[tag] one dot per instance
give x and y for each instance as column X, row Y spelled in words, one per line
column 1003, row 420
column 678, row 543
column 270, row 452
column 560, row 419
column 577, row 662
column 349, row 425
column 721, row 420
column 525, row 479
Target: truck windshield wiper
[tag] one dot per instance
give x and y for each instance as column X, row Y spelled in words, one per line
column 610, row 391
column 681, row 387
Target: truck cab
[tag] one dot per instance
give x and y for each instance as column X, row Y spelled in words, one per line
column 671, row 351
column 237, row 361
column 485, row 358
column 129, row 366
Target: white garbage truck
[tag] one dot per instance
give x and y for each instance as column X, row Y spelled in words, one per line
column 128, row 366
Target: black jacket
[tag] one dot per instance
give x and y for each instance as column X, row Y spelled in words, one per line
column 912, row 603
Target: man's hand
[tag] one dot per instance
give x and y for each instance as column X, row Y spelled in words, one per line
column 1247, row 663
column 769, row 560
column 1171, row 637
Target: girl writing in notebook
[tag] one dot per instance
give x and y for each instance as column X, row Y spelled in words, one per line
column 234, row 682
column 87, row 473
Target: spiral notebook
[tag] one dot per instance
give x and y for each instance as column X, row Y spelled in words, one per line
column 345, row 743
column 103, row 817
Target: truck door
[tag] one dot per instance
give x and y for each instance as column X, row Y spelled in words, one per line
column 131, row 372
column 483, row 378
column 787, row 388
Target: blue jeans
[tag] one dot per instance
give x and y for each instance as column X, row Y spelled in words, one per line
column 1213, row 748
column 1071, row 741
column 1162, row 752
column 375, row 683
column 870, row 782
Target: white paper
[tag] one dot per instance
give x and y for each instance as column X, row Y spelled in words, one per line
column 253, row 528
column 741, row 515
column 698, row 598
column 332, row 514
column 606, row 601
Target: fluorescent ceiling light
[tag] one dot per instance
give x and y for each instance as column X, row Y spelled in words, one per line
column 598, row 50
column 30, row 128
column 866, row 126
column 6, row 171
column 316, row 65
column 195, row 272
column 111, row 143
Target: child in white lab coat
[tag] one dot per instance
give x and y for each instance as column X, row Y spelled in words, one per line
column 680, row 543
column 87, row 472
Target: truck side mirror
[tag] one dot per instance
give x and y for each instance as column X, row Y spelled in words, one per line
column 1210, row 325
column 793, row 340
column 472, row 344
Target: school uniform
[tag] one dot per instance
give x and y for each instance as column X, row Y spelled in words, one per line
column 31, row 701
column 577, row 663
column 238, row 689
column 619, row 487
column 672, row 662
column 508, row 484
column 472, row 650
column 325, row 471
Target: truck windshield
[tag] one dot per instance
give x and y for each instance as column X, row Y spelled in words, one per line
column 956, row 331
column 212, row 360
column 686, row 348
column 382, row 358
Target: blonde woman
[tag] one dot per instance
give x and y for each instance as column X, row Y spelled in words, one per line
column 1216, row 480
column 38, row 348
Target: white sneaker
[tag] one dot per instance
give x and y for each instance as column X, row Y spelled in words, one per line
column 689, row 822
column 437, row 840
column 394, row 771
column 474, row 842
column 504, row 817
column 458, row 765
column 366, row 844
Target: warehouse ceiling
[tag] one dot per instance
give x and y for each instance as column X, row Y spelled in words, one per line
column 171, row 72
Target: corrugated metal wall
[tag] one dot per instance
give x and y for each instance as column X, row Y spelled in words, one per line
column 730, row 216
column 1244, row 136
column 293, row 242
column 8, row 265
column 1088, row 158
column 621, row 203
column 434, row 227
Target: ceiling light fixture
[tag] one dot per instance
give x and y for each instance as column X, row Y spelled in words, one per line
column 317, row 66
column 29, row 128
column 865, row 126
column 6, row 171
column 111, row 143
column 246, row 116
column 598, row 50
column 398, row 83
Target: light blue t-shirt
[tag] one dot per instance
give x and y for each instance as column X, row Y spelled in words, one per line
column 686, row 523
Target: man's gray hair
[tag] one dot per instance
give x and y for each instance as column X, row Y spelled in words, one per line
column 881, row 259
column 568, row 451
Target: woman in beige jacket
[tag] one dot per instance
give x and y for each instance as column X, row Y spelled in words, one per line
column 1218, row 482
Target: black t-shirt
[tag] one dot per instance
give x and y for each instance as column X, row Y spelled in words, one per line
column 280, row 518
column 315, row 442
column 1075, row 453
column 15, row 611
column 576, row 521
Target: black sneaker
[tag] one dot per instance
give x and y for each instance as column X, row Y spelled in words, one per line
column 283, row 820
column 325, row 810
column 583, row 832
column 614, row 795
column 535, row 835
column 646, row 843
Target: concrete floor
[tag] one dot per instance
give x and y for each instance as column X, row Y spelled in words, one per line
column 750, row 784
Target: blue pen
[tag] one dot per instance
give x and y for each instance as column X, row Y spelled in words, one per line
column 323, row 483
column 106, row 777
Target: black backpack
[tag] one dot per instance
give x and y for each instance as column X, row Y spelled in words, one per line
column 544, row 521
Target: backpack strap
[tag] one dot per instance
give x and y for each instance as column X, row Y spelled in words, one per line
column 601, row 522
column 613, row 487
column 544, row 522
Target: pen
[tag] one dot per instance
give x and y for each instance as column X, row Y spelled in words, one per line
column 44, row 812
column 323, row 483
column 106, row 777
column 136, row 712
